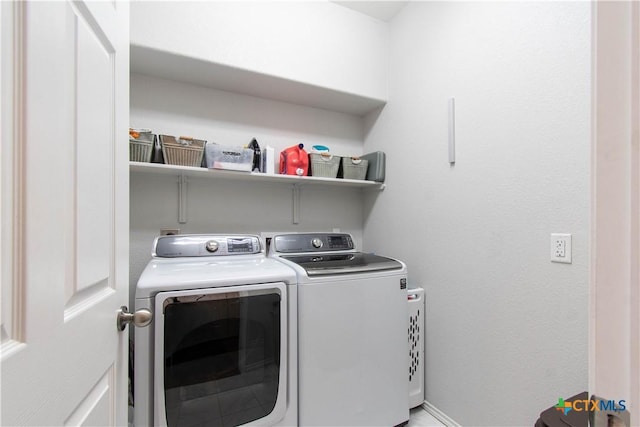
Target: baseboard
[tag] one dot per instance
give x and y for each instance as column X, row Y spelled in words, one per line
column 441, row 416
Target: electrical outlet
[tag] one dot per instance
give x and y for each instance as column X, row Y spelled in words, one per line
column 169, row 231
column 561, row 248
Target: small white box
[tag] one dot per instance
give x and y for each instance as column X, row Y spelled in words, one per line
column 269, row 160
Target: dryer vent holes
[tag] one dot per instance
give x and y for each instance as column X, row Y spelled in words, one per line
column 414, row 345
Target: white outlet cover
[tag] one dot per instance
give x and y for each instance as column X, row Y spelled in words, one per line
column 561, row 248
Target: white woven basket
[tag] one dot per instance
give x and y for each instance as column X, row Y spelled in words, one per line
column 324, row 165
column 354, row 168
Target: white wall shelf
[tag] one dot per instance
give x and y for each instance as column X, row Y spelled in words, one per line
column 301, row 181
column 183, row 173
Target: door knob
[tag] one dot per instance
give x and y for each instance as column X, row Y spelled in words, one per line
column 140, row 318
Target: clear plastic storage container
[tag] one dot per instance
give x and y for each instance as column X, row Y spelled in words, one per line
column 228, row 157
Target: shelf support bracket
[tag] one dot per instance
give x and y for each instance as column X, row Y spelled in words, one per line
column 295, row 192
column 182, row 199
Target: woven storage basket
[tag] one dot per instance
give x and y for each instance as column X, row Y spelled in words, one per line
column 354, row 168
column 182, row 151
column 140, row 145
column 324, row 165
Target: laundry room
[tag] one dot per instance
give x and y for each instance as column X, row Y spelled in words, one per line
column 474, row 233
column 398, row 213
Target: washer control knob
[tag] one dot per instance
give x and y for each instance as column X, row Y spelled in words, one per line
column 212, row 246
column 317, row 243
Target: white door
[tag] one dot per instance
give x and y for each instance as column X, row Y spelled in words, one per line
column 614, row 341
column 65, row 208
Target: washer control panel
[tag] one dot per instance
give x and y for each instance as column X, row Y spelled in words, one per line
column 313, row 242
column 192, row 245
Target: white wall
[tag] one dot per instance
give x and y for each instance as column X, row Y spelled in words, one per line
column 224, row 206
column 177, row 108
column 227, row 206
column 506, row 329
column 318, row 43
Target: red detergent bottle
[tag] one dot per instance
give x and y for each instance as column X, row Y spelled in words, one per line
column 294, row 161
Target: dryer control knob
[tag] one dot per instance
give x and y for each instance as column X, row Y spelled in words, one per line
column 317, row 243
column 212, row 246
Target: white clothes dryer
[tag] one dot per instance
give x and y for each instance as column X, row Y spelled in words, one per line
column 352, row 331
column 222, row 347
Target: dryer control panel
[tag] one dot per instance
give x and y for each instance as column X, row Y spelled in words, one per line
column 313, row 242
column 199, row 245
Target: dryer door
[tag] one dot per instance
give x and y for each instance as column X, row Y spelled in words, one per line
column 220, row 355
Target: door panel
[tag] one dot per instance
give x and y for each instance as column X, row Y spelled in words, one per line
column 11, row 180
column 63, row 361
column 95, row 408
column 221, row 355
column 91, row 152
column 94, row 144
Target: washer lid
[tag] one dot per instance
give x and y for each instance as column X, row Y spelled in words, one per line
column 344, row 263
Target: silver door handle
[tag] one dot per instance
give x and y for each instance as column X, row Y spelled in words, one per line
column 140, row 318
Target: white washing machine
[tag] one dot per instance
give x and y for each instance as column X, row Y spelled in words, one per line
column 221, row 349
column 352, row 331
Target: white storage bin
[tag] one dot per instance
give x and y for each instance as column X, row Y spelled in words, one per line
column 354, row 168
column 324, row 165
column 416, row 346
column 229, row 158
column 140, row 145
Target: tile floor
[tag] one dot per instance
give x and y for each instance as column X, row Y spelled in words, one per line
column 421, row 418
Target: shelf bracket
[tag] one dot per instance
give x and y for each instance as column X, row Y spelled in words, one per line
column 182, row 199
column 295, row 192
